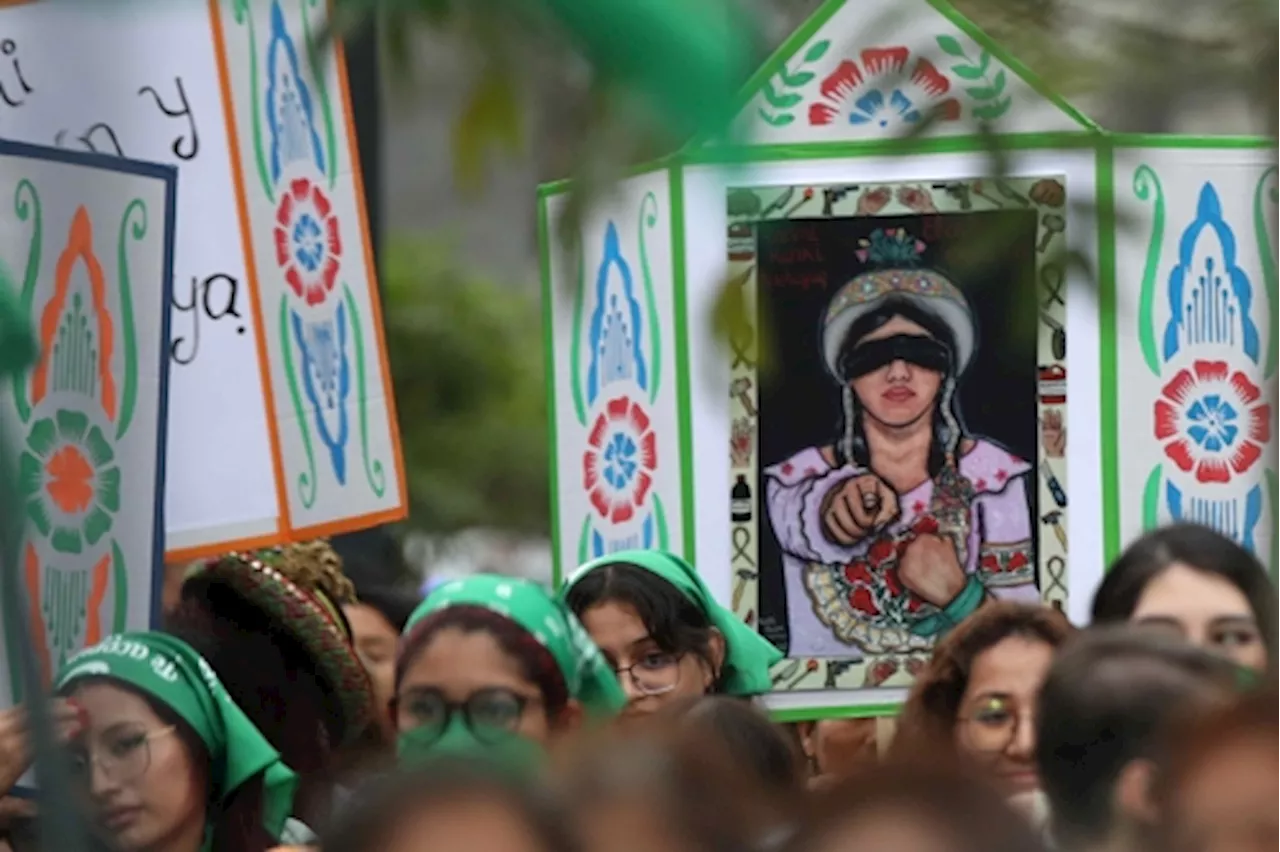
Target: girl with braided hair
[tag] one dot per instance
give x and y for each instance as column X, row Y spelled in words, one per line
column 905, row 523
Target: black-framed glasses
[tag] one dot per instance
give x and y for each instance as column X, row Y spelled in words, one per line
column 492, row 714
column 655, row 673
column 121, row 756
column 992, row 724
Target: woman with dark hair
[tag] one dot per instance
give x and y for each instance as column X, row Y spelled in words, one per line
column 1193, row 581
column 902, row 526
column 495, row 667
column 914, row 809
column 663, row 633
column 166, row 760
column 271, row 625
column 451, row 804
column 974, row 703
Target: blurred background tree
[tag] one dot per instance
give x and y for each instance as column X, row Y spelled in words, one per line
column 466, row 364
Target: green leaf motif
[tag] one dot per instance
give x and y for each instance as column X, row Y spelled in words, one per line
column 992, row 111
column 967, row 72
column 99, row 449
column 950, row 46
column 42, row 437
column 39, row 516
column 96, row 525
column 983, row 93
column 66, row 540
column 817, row 51
column 109, row 489
column 779, row 101
column 72, row 424
column 998, row 85
column 780, row 120
column 795, row 81
column 30, row 474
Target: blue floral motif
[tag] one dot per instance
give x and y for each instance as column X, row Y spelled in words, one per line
column 1234, row 517
column 1209, row 296
column 871, row 108
column 1213, row 423
column 290, row 111
column 309, row 242
column 620, row 460
column 615, row 331
column 326, row 376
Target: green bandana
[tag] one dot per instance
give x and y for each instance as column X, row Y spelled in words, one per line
column 587, row 676
column 170, row 671
column 748, row 655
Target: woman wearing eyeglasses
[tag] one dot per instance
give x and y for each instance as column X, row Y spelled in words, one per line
column 495, row 667
column 663, row 633
column 975, row 701
column 166, row 760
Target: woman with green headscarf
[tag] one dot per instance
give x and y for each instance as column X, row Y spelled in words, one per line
column 496, row 667
column 165, row 758
column 663, row 633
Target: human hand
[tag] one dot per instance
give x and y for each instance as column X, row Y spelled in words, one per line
column 1053, row 433
column 930, row 568
column 857, row 507
column 15, row 738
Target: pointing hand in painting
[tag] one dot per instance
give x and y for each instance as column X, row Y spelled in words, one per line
column 857, row 507
column 930, row 568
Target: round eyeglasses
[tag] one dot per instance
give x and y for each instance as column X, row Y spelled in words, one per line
column 491, row 714
column 121, row 756
column 653, row 674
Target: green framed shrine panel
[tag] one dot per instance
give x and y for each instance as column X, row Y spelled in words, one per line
column 611, row 338
column 1190, row 342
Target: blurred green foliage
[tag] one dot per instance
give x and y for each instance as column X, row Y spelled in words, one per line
column 467, row 367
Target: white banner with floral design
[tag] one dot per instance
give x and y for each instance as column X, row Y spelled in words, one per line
column 88, row 246
column 247, row 466
column 1196, row 342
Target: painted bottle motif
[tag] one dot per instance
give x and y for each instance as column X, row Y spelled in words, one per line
column 740, row 502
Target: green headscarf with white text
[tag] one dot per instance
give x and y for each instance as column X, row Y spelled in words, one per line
column 748, row 655
column 170, row 671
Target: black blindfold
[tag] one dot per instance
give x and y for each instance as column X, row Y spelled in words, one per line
column 920, row 351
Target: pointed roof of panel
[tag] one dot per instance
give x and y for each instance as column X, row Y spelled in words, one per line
column 861, row 70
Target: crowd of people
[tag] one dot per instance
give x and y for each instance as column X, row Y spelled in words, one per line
column 281, row 706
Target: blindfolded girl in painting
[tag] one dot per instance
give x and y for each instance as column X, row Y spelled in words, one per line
column 905, row 524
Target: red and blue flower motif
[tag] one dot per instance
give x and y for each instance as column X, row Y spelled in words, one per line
column 1211, row 422
column 308, row 242
column 874, row 91
column 620, row 460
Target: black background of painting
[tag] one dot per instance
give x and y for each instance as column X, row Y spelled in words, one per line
column 799, row 401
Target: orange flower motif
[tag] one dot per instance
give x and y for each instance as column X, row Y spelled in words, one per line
column 70, row 482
